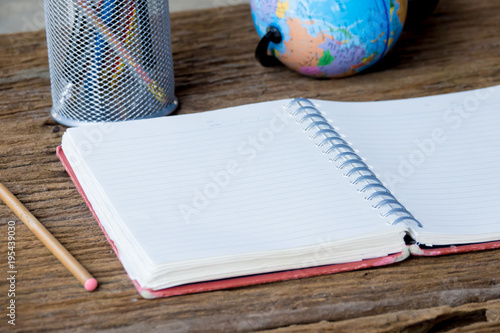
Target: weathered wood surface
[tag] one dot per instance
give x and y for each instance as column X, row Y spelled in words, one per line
column 457, row 49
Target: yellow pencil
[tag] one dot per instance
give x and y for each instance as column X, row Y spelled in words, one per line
column 87, row 280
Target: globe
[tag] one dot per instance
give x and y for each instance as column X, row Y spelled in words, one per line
column 330, row 38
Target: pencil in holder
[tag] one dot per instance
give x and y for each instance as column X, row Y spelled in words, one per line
column 110, row 60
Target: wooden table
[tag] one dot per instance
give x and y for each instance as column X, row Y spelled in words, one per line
column 457, row 49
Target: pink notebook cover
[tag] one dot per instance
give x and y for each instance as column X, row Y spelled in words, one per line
column 276, row 276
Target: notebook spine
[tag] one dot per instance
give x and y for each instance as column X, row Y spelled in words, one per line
column 345, row 158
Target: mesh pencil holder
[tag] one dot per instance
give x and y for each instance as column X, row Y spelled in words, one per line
column 110, row 60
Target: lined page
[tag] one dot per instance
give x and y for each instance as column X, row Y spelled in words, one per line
column 439, row 155
column 237, row 181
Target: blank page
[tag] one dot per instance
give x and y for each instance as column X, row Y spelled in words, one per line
column 439, row 155
column 238, row 181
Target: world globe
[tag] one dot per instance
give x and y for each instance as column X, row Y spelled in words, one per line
column 330, row 38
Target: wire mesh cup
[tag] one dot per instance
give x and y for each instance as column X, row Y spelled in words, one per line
column 110, row 60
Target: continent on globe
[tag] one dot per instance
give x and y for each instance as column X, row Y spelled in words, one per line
column 330, row 38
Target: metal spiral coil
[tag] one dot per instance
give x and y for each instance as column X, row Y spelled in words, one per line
column 346, row 158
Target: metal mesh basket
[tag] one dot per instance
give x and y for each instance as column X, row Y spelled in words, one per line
column 110, row 60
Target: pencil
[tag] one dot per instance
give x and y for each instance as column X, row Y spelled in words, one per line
column 82, row 275
column 123, row 53
column 146, row 40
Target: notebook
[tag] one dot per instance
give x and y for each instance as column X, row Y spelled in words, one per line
column 291, row 188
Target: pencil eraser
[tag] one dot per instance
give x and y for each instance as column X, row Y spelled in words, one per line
column 90, row 284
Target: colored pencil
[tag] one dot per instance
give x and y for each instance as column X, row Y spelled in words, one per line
column 82, row 275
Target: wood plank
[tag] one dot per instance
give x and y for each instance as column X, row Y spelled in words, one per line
column 476, row 317
column 456, row 49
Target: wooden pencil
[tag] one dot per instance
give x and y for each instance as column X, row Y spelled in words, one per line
column 83, row 276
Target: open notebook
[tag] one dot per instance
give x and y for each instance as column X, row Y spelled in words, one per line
column 291, row 188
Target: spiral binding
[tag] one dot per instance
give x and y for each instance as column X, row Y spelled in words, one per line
column 346, row 158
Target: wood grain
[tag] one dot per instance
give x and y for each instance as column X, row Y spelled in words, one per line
column 457, row 49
